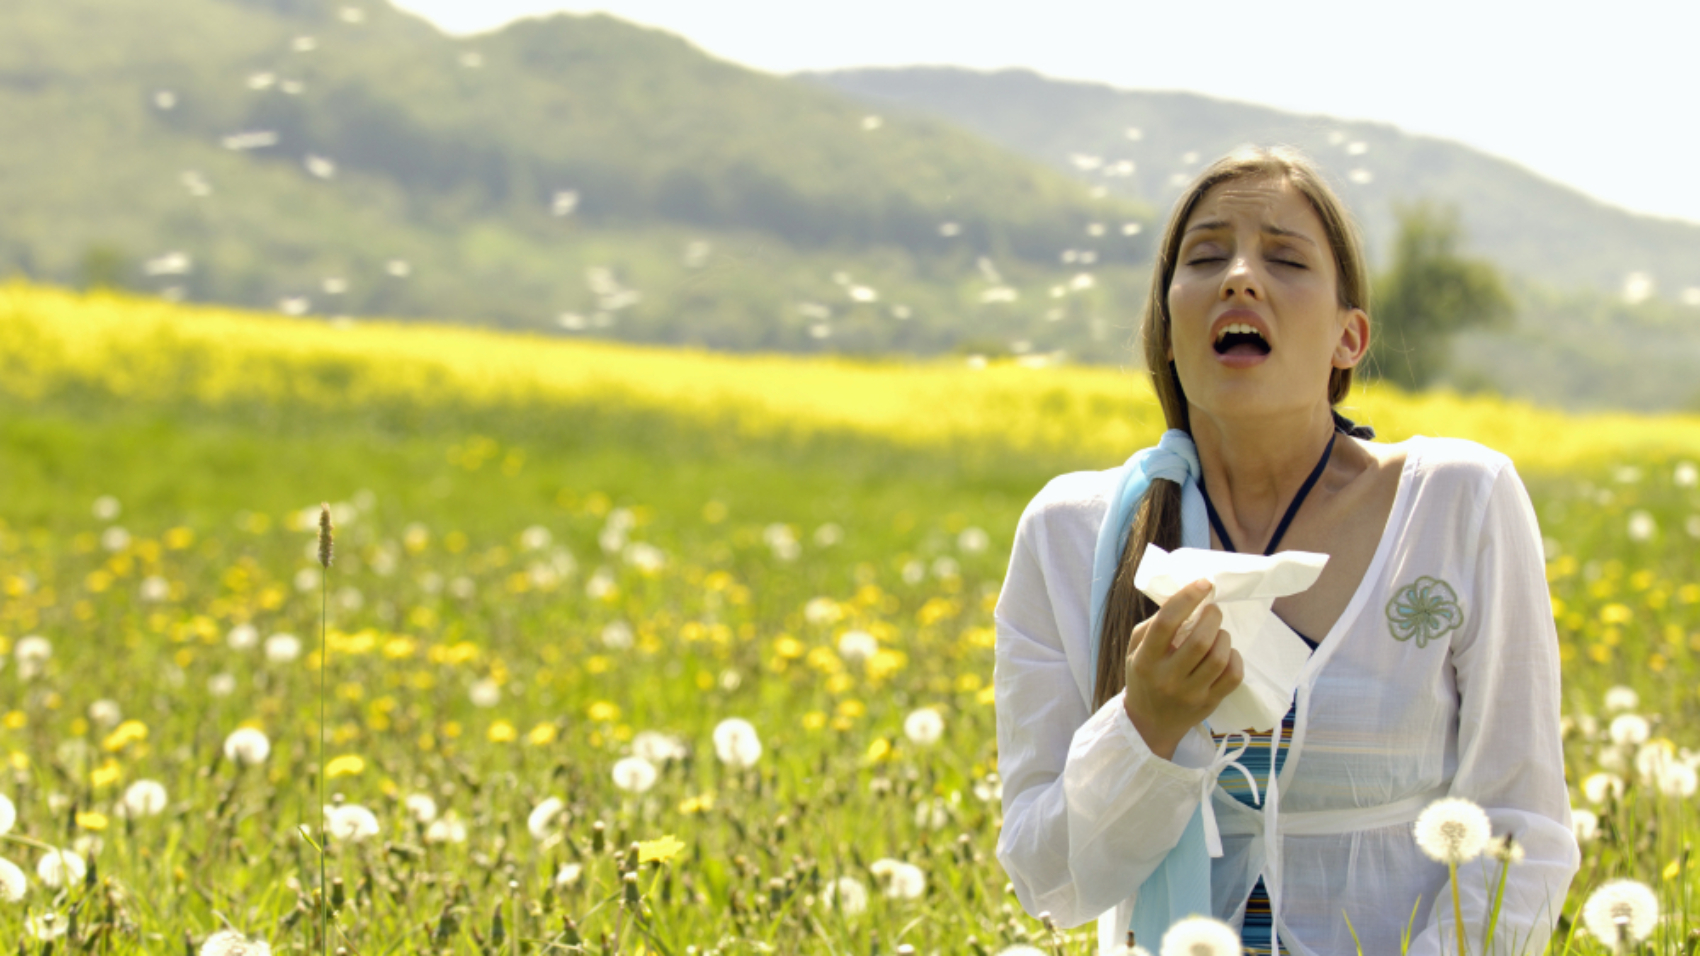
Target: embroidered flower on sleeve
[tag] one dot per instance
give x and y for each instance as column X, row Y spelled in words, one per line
column 1425, row 609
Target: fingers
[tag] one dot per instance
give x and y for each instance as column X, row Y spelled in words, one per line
column 1197, row 637
column 1161, row 627
column 1231, row 677
column 1214, row 661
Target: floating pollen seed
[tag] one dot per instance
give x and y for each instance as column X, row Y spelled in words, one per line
column 325, row 537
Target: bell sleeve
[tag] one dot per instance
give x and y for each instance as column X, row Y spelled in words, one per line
column 1510, row 753
column 1088, row 810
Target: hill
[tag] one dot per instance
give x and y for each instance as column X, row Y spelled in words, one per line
column 1607, row 300
column 1148, row 144
column 570, row 172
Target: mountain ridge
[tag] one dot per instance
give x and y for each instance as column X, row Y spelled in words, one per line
column 1513, row 215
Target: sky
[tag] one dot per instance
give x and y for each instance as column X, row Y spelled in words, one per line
column 1601, row 97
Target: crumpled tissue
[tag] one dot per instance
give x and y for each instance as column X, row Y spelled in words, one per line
column 1246, row 586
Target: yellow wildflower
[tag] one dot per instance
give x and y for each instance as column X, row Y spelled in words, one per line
column 663, row 849
column 104, row 775
column 346, row 765
column 501, row 732
column 697, row 804
column 92, row 820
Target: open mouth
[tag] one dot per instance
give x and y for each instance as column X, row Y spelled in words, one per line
column 1240, row 339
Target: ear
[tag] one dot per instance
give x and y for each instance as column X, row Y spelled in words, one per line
column 1354, row 340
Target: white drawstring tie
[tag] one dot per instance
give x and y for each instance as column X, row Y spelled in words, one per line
column 1220, row 763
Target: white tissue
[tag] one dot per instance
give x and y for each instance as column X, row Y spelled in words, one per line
column 1246, row 588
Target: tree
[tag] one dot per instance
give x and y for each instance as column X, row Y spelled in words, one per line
column 1428, row 293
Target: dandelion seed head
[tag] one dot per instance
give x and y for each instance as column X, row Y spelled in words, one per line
column 446, row 829
column 1626, row 907
column 1506, row 849
column 46, row 926
column 144, row 798
column 106, row 713
column 8, row 814
column 282, row 648
column 33, row 649
column 1598, row 785
column 973, row 540
column 485, row 692
column 568, row 874
column 60, row 867
column 542, row 817
column 228, row 942
column 1453, row 830
column 247, row 746
column 1585, row 824
column 923, row 726
column 421, row 807
column 1628, row 730
column 847, row 895
column 634, row 774
column 657, row 747
column 903, row 881
column 736, row 742
column 1642, row 527
column 857, row 646
column 242, row 637
column 1200, row 936
column 13, row 883
column 351, row 822
column 1622, row 698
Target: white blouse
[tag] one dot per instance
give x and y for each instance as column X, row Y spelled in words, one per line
column 1440, row 678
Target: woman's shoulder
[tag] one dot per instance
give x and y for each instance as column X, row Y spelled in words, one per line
column 1075, row 499
column 1454, row 460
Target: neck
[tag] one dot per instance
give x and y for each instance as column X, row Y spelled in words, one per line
column 1254, row 467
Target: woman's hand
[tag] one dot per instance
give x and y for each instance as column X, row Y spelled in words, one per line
column 1180, row 665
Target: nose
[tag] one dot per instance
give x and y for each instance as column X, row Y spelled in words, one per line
column 1242, row 279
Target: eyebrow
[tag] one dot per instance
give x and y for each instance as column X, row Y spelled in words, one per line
column 1215, row 224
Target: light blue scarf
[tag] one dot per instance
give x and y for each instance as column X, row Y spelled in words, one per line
column 1180, row 886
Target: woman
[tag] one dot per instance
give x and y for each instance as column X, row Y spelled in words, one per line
column 1435, row 662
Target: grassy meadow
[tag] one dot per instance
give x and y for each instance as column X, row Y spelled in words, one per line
column 560, row 566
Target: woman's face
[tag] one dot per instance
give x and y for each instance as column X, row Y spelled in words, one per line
column 1256, row 322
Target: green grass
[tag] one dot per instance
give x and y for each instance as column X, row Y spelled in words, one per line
column 448, row 496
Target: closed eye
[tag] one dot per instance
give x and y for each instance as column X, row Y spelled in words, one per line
column 1289, row 262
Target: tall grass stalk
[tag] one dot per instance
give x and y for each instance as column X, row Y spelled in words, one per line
column 325, row 548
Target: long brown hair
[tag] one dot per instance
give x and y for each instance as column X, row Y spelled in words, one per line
column 1158, row 518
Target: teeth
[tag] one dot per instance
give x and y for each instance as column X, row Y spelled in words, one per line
column 1240, row 327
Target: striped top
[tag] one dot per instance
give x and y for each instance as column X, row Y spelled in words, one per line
column 1257, row 934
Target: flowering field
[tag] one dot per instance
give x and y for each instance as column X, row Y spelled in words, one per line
column 629, row 651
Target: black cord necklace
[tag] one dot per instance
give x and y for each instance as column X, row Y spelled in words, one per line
column 1292, row 509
